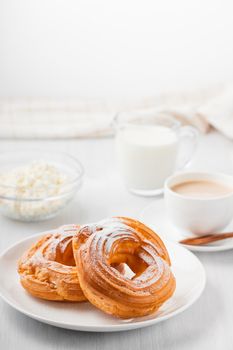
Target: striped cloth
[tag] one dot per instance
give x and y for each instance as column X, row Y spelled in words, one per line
column 74, row 118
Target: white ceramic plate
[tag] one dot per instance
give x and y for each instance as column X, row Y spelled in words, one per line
column 188, row 270
column 155, row 216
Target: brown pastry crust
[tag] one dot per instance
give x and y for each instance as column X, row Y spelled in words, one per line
column 48, row 271
column 99, row 248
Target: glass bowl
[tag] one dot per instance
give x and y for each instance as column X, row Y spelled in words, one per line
column 32, row 199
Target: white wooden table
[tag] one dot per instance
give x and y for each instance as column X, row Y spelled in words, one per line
column 206, row 325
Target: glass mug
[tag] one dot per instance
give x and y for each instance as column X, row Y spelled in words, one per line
column 149, row 148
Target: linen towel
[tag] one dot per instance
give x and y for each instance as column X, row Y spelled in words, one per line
column 71, row 118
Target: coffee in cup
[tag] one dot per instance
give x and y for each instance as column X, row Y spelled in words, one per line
column 200, row 203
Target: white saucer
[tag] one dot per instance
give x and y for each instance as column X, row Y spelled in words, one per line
column 83, row 316
column 155, row 216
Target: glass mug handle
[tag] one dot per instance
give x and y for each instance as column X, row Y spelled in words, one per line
column 188, row 136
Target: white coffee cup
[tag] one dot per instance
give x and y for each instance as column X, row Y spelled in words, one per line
column 199, row 215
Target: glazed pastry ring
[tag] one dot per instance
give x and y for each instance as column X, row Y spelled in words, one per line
column 99, row 248
column 48, row 271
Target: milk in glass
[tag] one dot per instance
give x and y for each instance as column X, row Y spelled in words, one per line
column 146, row 155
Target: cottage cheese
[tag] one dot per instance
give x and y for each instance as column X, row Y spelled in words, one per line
column 27, row 192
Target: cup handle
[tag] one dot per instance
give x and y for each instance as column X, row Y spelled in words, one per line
column 188, row 136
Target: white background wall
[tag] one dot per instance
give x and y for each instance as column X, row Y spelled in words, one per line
column 113, row 48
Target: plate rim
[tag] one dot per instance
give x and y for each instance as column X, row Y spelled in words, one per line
column 111, row 328
column 200, row 249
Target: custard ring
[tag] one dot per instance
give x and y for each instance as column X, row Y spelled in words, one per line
column 48, row 271
column 100, row 247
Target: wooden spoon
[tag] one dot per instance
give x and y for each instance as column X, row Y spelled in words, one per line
column 205, row 239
